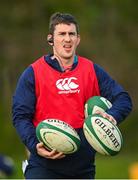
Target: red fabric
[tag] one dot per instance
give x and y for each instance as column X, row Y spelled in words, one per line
column 63, row 95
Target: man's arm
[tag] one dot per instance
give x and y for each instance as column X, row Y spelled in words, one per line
column 23, row 109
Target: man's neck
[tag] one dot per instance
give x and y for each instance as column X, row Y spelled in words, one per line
column 63, row 62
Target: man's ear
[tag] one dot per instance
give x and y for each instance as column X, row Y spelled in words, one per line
column 50, row 39
column 78, row 42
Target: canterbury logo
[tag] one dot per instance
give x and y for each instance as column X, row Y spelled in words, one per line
column 67, row 84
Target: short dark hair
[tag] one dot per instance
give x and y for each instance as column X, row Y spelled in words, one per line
column 62, row 18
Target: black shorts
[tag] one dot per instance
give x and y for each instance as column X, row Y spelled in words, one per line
column 43, row 173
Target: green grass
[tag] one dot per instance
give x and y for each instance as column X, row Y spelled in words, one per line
column 114, row 167
column 107, row 167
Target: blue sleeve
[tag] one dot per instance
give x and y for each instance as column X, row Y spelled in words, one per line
column 110, row 89
column 23, row 109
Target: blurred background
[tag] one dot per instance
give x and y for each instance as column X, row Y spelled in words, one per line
column 109, row 36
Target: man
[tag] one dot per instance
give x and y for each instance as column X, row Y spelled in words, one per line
column 57, row 86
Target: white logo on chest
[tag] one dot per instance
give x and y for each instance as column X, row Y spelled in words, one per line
column 67, row 85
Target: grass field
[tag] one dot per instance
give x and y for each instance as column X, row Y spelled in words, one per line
column 116, row 167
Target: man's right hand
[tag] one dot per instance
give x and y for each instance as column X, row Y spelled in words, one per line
column 42, row 151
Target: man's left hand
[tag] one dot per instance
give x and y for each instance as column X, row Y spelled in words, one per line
column 108, row 116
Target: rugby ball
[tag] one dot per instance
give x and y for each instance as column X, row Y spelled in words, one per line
column 102, row 135
column 58, row 135
column 96, row 103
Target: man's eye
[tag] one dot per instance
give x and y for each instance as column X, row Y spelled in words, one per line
column 62, row 34
column 72, row 33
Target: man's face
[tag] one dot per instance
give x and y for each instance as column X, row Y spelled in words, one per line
column 66, row 41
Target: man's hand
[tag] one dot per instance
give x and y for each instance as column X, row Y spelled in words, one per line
column 106, row 115
column 42, row 151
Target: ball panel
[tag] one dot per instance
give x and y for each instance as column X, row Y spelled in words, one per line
column 40, row 136
column 56, row 134
column 93, row 141
column 61, row 125
column 107, row 132
column 71, row 134
column 106, row 102
column 107, row 137
column 96, row 103
column 56, row 140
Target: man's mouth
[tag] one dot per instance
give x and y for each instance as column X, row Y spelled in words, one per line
column 67, row 47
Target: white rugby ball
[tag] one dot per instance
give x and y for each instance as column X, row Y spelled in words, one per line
column 56, row 134
column 96, row 103
column 102, row 135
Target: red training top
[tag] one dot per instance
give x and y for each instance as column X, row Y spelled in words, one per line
column 63, row 95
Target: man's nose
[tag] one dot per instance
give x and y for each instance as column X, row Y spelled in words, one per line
column 67, row 37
